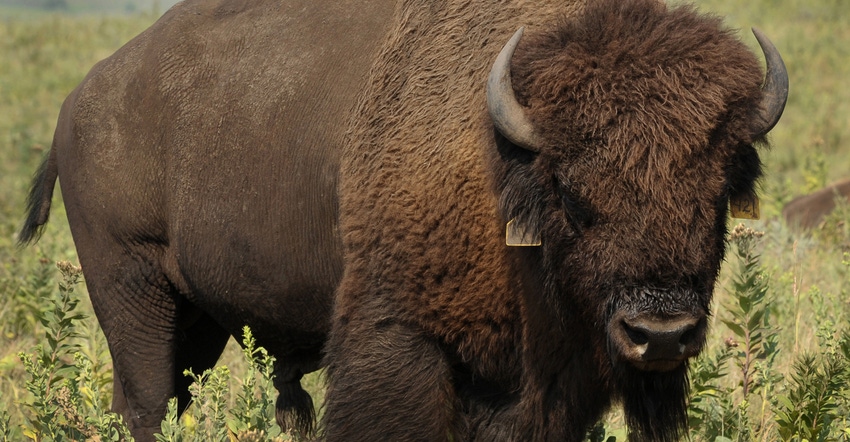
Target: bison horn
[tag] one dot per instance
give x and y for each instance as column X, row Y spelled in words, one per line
column 775, row 86
column 507, row 114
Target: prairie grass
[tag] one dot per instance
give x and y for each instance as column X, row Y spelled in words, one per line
column 86, row 6
column 776, row 364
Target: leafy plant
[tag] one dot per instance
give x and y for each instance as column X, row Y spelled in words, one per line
column 814, row 169
column 814, row 406
column 749, row 311
column 210, row 417
column 5, row 430
column 718, row 411
column 254, row 409
column 172, row 430
column 710, row 411
column 210, row 390
column 65, row 402
column 28, row 299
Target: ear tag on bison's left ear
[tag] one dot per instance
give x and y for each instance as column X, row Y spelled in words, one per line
column 744, row 206
column 517, row 235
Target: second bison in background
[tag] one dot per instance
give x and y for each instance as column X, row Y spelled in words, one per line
column 339, row 176
column 809, row 211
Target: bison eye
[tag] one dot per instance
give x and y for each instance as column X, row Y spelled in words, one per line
column 578, row 213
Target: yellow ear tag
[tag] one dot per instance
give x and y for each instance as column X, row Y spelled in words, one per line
column 520, row 236
column 745, row 206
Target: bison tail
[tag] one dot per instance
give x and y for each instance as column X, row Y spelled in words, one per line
column 295, row 411
column 38, row 201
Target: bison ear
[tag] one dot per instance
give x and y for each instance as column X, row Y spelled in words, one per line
column 508, row 115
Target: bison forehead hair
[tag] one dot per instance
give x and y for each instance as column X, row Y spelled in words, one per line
column 639, row 78
column 644, row 114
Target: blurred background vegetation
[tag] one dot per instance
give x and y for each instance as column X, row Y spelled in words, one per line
column 780, row 307
column 87, row 6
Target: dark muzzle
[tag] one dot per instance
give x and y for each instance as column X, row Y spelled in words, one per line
column 656, row 343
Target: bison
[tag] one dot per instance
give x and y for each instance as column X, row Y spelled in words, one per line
column 808, row 211
column 345, row 178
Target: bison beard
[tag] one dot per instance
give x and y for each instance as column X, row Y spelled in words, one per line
column 655, row 403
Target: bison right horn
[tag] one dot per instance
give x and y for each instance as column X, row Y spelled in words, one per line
column 775, row 86
column 507, row 114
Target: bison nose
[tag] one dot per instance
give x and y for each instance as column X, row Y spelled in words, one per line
column 658, row 344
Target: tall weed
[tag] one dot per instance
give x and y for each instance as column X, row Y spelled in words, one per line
column 68, row 392
column 814, row 403
column 809, row 402
column 215, row 415
column 65, row 401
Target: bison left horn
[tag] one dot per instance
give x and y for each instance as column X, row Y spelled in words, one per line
column 775, row 86
column 507, row 114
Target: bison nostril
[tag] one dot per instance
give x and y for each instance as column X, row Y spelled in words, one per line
column 689, row 336
column 637, row 337
column 657, row 342
column 652, row 338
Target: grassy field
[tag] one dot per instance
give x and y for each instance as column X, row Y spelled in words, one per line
column 785, row 310
column 86, row 6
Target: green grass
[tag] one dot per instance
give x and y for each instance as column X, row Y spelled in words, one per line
column 85, row 6
column 804, row 309
column 811, row 140
column 809, row 145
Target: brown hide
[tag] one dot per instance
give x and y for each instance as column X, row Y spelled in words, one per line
column 198, row 167
column 808, row 211
column 448, row 334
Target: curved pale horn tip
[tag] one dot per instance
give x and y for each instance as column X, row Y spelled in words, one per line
column 775, row 84
column 508, row 115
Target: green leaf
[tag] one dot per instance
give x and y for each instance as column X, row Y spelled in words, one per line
column 745, row 304
column 735, row 328
column 755, row 319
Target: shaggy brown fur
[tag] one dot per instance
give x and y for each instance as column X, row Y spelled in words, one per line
column 440, row 331
column 199, row 167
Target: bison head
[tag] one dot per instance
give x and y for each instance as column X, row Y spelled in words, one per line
column 622, row 137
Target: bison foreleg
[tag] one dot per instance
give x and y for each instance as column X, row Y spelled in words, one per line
column 387, row 382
